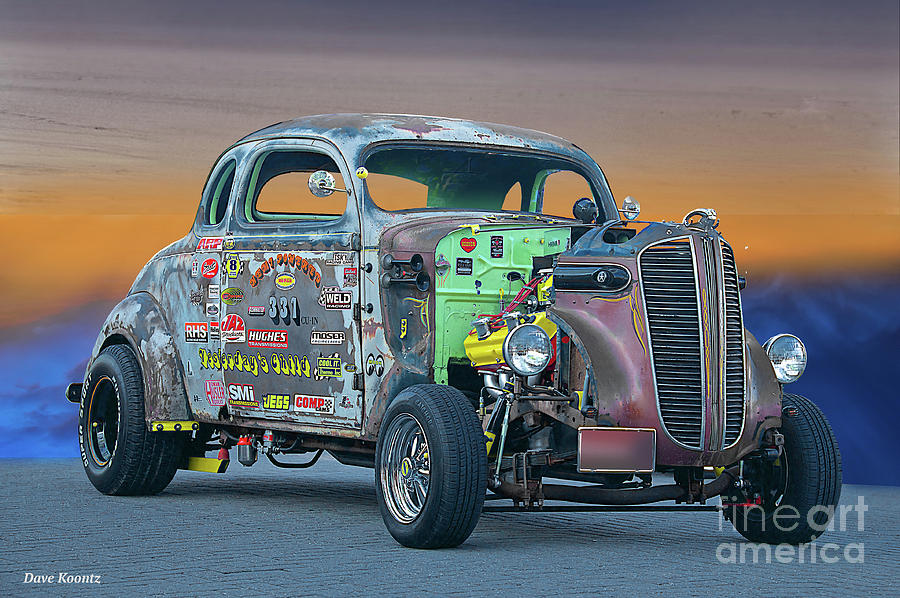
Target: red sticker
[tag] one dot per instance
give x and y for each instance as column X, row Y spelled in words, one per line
column 209, row 268
column 468, row 244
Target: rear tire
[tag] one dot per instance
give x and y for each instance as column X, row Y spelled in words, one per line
column 430, row 467
column 808, row 476
column 119, row 454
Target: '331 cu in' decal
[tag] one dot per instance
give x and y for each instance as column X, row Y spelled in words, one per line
column 286, row 310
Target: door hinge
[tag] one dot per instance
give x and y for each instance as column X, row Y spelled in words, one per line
column 355, row 243
column 358, row 381
column 357, row 313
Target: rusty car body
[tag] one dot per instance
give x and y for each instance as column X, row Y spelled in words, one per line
column 297, row 331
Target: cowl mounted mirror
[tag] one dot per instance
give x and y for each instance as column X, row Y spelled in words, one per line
column 321, row 184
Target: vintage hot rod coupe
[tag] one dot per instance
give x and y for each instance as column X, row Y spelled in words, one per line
column 463, row 307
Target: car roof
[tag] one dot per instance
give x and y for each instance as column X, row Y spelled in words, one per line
column 360, row 130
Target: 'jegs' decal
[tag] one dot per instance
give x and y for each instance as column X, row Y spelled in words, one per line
column 301, row 264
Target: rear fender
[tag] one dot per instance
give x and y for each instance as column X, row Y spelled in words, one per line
column 138, row 321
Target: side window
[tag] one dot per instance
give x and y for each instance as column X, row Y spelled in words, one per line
column 279, row 190
column 561, row 189
column 218, row 192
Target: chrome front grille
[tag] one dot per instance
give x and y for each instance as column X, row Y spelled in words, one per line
column 669, row 284
column 693, row 310
column 734, row 349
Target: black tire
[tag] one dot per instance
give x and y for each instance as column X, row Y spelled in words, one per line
column 457, row 467
column 812, row 479
column 138, row 462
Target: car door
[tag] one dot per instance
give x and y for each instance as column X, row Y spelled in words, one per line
column 290, row 292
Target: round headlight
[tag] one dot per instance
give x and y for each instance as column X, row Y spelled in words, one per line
column 527, row 350
column 788, row 357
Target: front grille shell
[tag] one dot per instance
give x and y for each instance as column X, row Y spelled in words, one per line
column 692, row 307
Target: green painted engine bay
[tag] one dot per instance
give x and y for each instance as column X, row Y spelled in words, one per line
column 478, row 271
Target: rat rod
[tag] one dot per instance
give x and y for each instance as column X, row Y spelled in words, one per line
column 413, row 294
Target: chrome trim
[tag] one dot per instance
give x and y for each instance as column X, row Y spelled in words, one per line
column 652, row 453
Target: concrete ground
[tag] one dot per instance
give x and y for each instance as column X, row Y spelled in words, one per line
column 271, row 532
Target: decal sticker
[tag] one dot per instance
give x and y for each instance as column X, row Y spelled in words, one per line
column 232, row 329
column 404, row 325
column 285, row 281
column 267, row 339
column 464, row 266
column 345, row 402
column 496, row 246
column 209, row 244
column 195, row 268
column 277, row 402
column 339, row 258
column 209, row 268
column 351, row 277
column 328, row 367
column 196, row 332
column 349, row 367
column 212, row 310
column 300, row 264
column 553, row 243
column 374, row 365
column 214, row 331
column 215, row 393
column 213, row 292
column 256, row 364
column 241, row 395
column 232, row 296
column 232, row 266
column 321, row 337
column 314, row 404
column 196, row 297
column 256, row 310
column 335, row 299
column 228, row 243
column 468, row 244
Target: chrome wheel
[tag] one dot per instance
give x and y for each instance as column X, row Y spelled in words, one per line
column 406, row 468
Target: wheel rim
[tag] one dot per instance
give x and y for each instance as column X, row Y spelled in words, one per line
column 103, row 421
column 405, row 468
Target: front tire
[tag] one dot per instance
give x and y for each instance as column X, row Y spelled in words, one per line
column 430, row 467
column 119, row 454
column 805, row 478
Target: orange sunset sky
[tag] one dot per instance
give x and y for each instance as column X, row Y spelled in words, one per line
column 785, row 119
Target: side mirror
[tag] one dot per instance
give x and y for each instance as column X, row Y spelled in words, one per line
column 631, row 209
column 585, row 210
column 321, row 184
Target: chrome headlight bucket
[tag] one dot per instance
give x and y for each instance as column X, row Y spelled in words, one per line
column 527, row 349
column 788, row 357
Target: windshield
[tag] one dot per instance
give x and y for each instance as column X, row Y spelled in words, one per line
column 450, row 178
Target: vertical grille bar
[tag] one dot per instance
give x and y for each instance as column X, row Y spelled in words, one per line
column 669, row 287
column 734, row 349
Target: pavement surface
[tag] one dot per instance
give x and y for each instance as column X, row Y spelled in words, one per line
column 273, row 532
